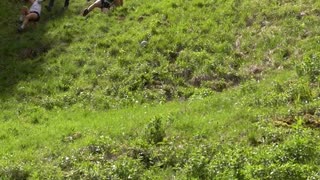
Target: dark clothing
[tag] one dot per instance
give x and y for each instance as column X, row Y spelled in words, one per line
column 106, row 3
column 66, row 3
column 51, row 2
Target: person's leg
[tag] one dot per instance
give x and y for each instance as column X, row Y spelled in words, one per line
column 51, row 2
column 96, row 4
column 66, row 3
column 50, row 5
column 27, row 18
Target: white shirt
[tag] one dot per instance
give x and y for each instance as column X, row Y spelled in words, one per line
column 36, row 6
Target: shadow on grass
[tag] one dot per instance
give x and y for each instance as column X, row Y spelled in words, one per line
column 22, row 54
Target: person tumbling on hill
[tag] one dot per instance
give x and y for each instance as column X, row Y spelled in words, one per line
column 51, row 2
column 32, row 14
column 105, row 5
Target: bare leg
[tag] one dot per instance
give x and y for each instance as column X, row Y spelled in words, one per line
column 27, row 18
column 96, row 4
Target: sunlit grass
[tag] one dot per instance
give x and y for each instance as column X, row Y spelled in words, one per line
column 162, row 90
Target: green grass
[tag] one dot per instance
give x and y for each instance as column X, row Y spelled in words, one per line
column 222, row 90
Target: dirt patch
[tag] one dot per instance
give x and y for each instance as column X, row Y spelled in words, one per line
column 312, row 120
column 309, row 120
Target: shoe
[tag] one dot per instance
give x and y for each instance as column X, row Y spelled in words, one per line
column 85, row 12
column 65, row 8
column 20, row 30
column 48, row 8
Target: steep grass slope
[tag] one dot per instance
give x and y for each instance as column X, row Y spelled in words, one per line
column 100, row 61
column 217, row 90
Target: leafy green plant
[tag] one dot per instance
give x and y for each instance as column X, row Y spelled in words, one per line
column 155, row 132
column 17, row 172
column 127, row 168
column 301, row 150
column 310, row 66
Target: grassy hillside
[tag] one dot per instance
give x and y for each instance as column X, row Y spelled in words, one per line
column 162, row 90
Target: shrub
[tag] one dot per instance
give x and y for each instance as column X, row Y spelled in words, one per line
column 300, row 150
column 127, row 168
column 17, row 172
column 310, row 67
column 155, row 132
column 278, row 172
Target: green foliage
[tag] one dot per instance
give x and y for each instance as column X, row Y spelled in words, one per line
column 310, row 66
column 162, row 90
column 127, row 168
column 14, row 173
column 155, row 132
column 286, row 171
column 291, row 92
column 301, row 150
